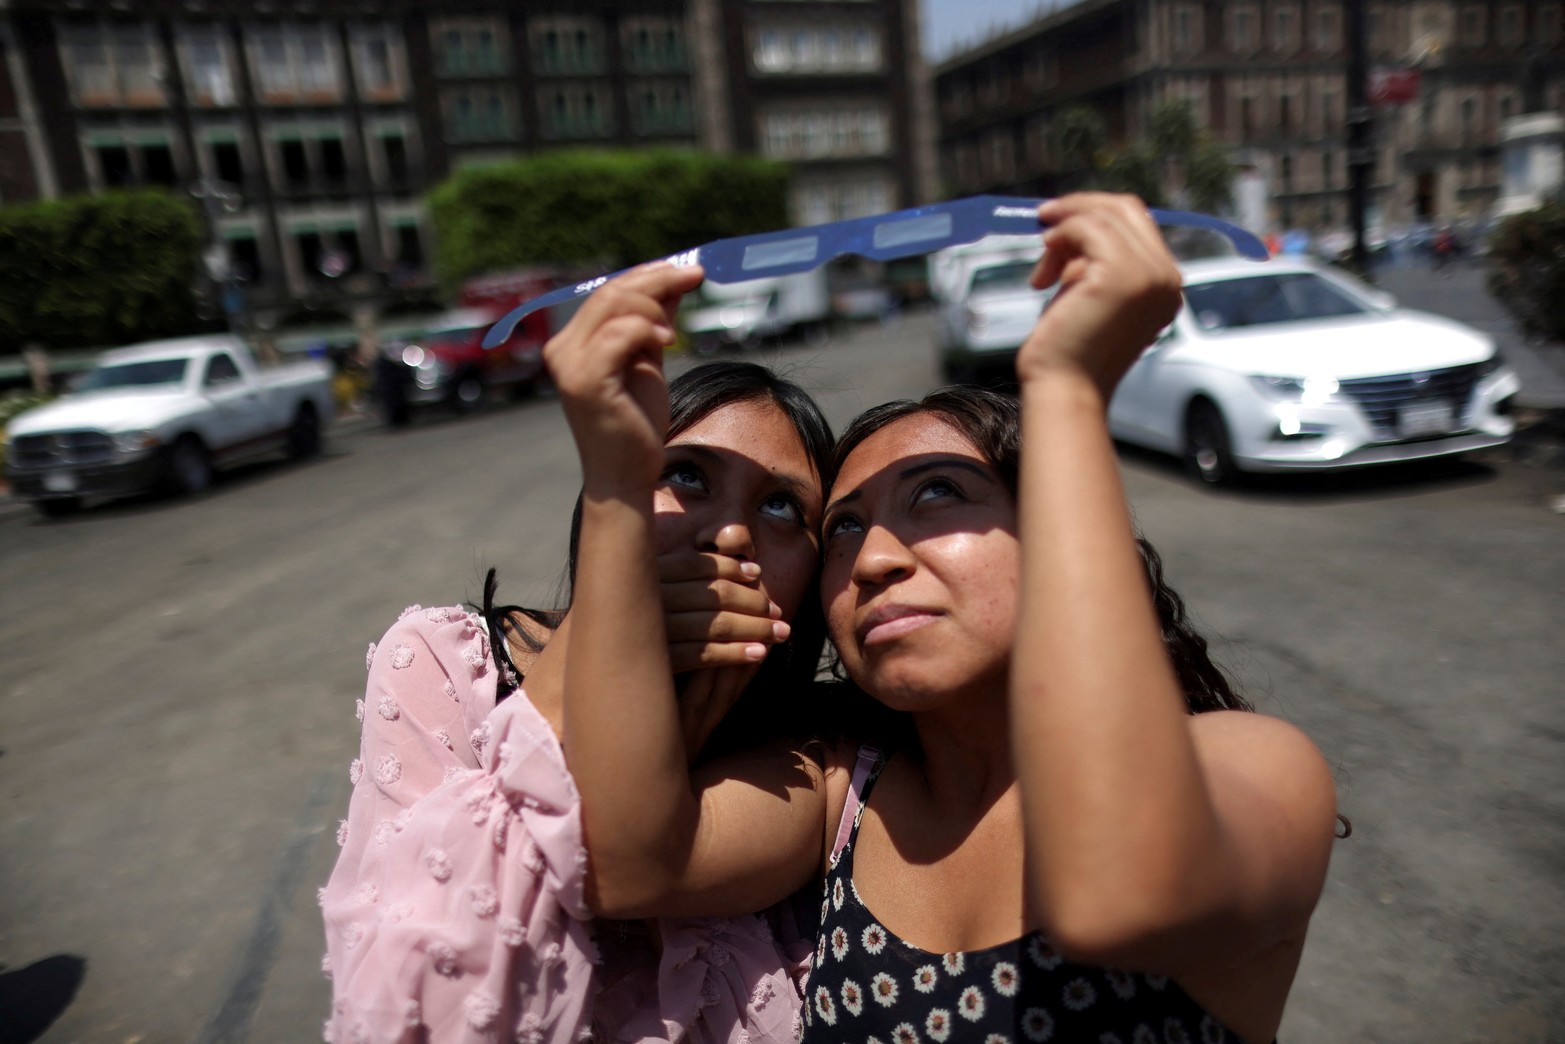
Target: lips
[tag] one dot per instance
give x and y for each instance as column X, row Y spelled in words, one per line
column 888, row 622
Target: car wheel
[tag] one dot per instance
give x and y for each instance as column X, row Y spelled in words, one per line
column 1208, row 454
column 189, row 468
column 58, row 507
column 304, row 435
column 467, row 394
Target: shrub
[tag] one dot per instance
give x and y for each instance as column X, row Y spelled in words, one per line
column 97, row 270
column 600, row 209
column 1527, row 269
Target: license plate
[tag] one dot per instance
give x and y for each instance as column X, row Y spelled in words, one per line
column 60, row 482
column 1427, row 418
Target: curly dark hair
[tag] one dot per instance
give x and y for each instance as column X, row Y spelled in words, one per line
column 992, row 422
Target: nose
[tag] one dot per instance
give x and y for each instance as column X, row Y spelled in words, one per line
column 882, row 559
column 732, row 539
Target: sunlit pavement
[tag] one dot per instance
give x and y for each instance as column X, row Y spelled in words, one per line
column 180, row 678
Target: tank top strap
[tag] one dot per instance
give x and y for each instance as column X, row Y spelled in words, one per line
column 858, row 790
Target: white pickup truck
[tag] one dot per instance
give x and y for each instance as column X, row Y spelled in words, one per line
column 164, row 414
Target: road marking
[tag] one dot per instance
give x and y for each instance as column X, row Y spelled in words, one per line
column 231, row 1022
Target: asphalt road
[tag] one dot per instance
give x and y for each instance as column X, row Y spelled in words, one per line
column 176, row 710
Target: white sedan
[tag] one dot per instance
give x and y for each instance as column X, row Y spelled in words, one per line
column 1287, row 365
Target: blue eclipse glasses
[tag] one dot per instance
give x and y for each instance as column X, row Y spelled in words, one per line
column 884, row 237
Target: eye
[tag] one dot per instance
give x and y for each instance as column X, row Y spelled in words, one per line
column 780, row 505
column 842, row 525
column 936, row 489
column 684, row 474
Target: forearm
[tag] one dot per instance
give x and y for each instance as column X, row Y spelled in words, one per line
column 622, row 730
column 1118, row 816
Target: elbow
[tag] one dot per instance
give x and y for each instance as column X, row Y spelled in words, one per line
column 623, row 889
column 618, row 900
column 1122, row 930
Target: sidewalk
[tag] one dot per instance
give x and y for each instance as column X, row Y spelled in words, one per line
column 1460, row 294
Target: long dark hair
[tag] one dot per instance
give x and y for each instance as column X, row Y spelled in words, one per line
column 992, row 422
column 777, row 701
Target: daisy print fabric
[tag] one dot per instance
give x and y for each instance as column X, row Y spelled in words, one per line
column 867, row 985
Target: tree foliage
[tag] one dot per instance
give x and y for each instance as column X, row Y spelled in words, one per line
column 602, row 209
column 1174, row 161
column 1527, row 269
column 97, row 270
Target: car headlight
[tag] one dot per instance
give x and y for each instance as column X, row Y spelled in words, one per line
column 135, row 441
column 1311, row 391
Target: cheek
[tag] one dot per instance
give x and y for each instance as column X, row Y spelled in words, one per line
column 786, row 572
column 672, row 527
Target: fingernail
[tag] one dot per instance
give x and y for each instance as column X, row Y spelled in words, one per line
column 750, row 569
column 664, row 333
column 755, row 653
column 781, row 630
column 773, row 610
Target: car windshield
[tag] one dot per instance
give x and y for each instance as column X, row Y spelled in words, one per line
column 136, row 374
column 1010, row 276
column 1287, row 297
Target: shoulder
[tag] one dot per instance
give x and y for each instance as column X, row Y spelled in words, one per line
column 1254, row 758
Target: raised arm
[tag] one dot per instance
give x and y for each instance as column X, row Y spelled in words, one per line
column 660, row 843
column 1156, row 840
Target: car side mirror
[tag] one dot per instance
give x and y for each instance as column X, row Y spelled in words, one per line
column 1382, row 300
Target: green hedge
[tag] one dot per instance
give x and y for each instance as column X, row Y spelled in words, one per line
column 1527, row 269
column 97, row 270
column 599, row 208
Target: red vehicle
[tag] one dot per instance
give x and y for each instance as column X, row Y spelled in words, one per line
column 447, row 363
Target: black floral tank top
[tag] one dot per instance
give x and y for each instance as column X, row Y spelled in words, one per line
column 866, row 985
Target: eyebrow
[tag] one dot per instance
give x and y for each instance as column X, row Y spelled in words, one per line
column 800, row 488
column 942, row 464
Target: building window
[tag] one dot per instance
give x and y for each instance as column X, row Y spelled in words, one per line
column 1242, row 31
column 327, row 252
column 1285, row 172
column 654, row 45
column 826, row 133
column 575, row 111
column 1327, row 35
column 226, row 160
column 661, row 109
column 1472, row 34
column 816, row 202
column 1469, row 117
column 470, row 47
column 780, row 49
column 1187, row 29
column 1328, row 161
column 410, row 247
column 1285, row 114
column 1511, row 26
column 295, row 65
column 1549, row 24
column 479, row 114
column 125, row 158
column 378, row 61
column 114, row 66
column 1246, row 117
column 1285, row 29
column 209, row 73
column 244, row 257
column 567, row 46
column 395, row 163
column 310, row 159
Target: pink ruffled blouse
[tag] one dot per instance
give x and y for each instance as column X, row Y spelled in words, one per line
column 456, row 910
